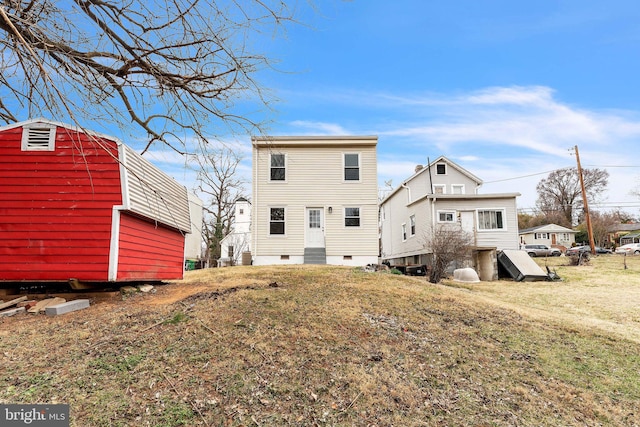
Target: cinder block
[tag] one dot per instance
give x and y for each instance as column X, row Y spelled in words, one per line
column 11, row 311
column 67, row 307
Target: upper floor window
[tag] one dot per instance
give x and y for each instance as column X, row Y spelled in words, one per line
column 404, row 232
column 278, row 167
column 457, row 189
column 491, row 220
column 352, row 167
column 412, row 225
column 38, row 137
column 441, row 169
column 352, row 217
column 276, row 221
column 438, row 189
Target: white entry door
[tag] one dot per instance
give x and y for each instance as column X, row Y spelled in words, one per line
column 314, row 230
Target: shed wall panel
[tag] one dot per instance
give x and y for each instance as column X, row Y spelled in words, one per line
column 149, row 251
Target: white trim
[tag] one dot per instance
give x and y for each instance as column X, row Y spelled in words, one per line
column 114, row 248
column 344, row 218
column 443, row 186
column 489, row 230
column 124, row 177
column 344, row 166
column 40, row 131
column 461, row 186
column 286, row 161
column 284, row 221
column 446, row 211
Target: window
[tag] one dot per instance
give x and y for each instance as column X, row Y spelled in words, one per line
column 491, row 220
column 446, row 216
column 404, row 232
column 438, row 189
column 276, row 221
column 38, row 137
column 412, row 225
column 230, row 251
column 352, row 217
column 278, row 167
column 538, row 236
column 352, row 167
column 457, row 189
column 241, row 211
column 441, row 169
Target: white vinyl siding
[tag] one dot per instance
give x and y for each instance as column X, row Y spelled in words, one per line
column 308, row 185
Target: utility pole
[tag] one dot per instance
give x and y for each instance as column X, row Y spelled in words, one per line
column 586, row 205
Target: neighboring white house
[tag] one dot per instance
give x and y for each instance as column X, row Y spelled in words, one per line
column 315, row 200
column 439, row 194
column 193, row 240
column 550, row 235
column 238, row 241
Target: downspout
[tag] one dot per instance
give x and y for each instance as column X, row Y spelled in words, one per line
column 404, row 185
column 430, row 178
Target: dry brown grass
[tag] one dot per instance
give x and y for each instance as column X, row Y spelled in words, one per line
column 602, row 294
column 299, row 346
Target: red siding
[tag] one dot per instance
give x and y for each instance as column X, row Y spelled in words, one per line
column 149, row 251
column 56, row 207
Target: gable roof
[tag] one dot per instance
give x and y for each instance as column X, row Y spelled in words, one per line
column 441, row 159
column 147, row 190
column 547, row 228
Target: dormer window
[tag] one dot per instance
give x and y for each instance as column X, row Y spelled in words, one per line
column 38, row 137
column 441, row 169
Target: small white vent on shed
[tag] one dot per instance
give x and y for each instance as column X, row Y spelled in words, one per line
column 38, row 138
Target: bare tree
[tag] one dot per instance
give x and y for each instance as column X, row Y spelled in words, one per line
column 219, row 182
column 560, row 194
column 447, row 244
column 170, row 67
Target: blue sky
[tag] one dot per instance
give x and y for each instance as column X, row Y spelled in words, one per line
column 504, row 88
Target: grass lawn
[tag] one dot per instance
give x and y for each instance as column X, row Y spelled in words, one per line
column 320, row 345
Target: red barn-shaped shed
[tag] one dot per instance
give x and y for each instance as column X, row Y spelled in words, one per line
column 79, row 205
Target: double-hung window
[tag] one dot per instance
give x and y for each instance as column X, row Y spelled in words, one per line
column 278, row 167
column 412, row 225
column 352, row 167
column 404, row 232
column 352, row 217
column 276, row 221
column 491, row 219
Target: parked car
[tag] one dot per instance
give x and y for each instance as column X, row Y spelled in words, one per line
column 541, row 250
column 630, row 249
column 585, row 248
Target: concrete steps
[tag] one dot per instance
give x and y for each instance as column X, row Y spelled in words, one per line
column 315, row 256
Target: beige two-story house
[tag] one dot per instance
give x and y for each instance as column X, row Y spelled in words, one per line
column 315, row 200
column 443, row 193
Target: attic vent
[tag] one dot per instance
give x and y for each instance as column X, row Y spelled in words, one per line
column 38, row 138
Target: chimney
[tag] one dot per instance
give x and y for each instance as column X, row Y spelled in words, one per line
column 419, row 168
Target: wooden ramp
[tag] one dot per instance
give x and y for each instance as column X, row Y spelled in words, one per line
column 520, row 266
